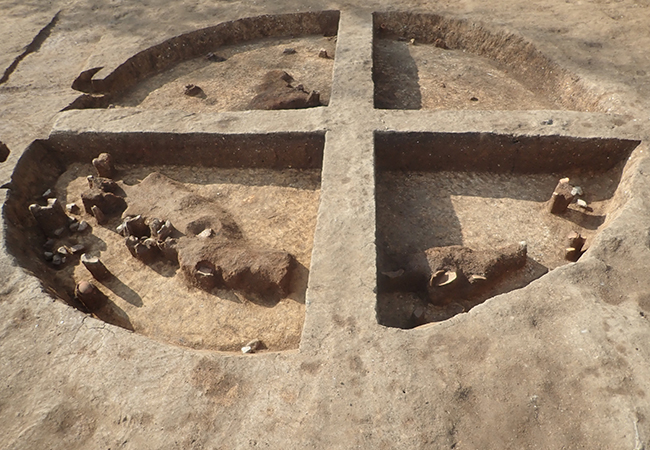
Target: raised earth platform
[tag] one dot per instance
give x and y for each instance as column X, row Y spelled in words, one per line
column 325, row 225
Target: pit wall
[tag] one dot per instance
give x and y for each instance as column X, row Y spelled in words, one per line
column 521, row 58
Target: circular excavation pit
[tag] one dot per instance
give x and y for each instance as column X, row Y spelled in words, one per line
column 464, row 217
column 210, row 250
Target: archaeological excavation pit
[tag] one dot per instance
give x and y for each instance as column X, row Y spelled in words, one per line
column 463, row 217
column 431, row 62
column 266, row 62
column 201, row 240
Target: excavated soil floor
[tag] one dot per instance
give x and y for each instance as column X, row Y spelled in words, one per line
column 231, row 84
column 482, row 211
column 423, row 76
column 274, row 210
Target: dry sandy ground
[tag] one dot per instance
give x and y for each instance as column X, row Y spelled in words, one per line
column 561, row 363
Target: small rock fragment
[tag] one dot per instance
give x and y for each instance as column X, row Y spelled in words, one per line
column 48, row 256
column 576, row 191
column 91, row 297
column 57, row 259
column 289, row 51
column 83, row 226
column 207, row 233
column 96, row 268
column 252, row 346
column 159, row 230
column 145, row 250
column 581, row 203
column 47, row 194
column 62, row 250
column 76, row 249
column 104, row 165
column 412, row 41
column 214, row 57
column 49, row 245
column 52, row 219
column 99, row 215
column 561, row 198
column 322, row 53
column 193, row 90
column 74, row 226
column 135, row 226
column 473, row 99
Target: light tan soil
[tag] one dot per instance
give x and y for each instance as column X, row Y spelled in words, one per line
column 423, row 76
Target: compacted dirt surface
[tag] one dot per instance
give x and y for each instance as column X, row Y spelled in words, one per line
column 356, row 140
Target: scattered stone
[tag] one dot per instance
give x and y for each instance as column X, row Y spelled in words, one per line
column 146, row 250
column 96, row 268
column 207, row 233
column 49, row 245
column 289, row 51
column 48, row 193
column 83, row 226
column 252, row 346
column 74, row 226
column 277, row 92
column 473, row 99
column 160, row 230
column 412, row 41
column 99, row 214
column 91, row 297
column 72, row 208
column 443, row 278
column 4, row 152
column 581, row 203
column 193, row 90
column 57, row 259
column 576, row 191
column 547, row 122
column 51, row 219
column 561, row 198
column 322, row 53
column 104, row 165
column 48, row 256
column 62, row 250
column 214, row 57
column 135, row 226
column 77, row 249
